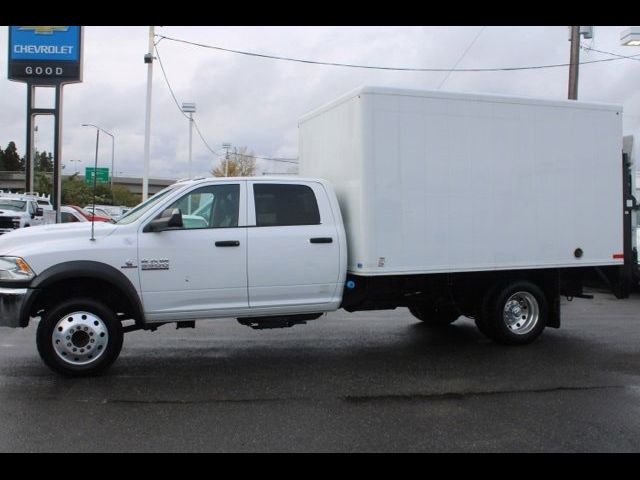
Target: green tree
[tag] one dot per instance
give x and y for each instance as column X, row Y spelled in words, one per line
column 241, row 164
column 43, row 183
column 75, row 191
column 121, row 196
column 43, row 162
column 11, row 158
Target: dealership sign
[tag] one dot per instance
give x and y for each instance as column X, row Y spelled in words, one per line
column 45, row 55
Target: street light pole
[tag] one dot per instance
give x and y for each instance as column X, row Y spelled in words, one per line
column 76, row 162
column 113, row 150
column 95, row 178
column 112, row 147
column 148, row 59
column 190, row 108
column 226, row 146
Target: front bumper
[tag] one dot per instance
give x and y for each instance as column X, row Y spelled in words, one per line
column 12, row 301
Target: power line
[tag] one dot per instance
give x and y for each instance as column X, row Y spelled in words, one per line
column 461, row 57
column 371, row 67
column 632, row 57
column 166, row 79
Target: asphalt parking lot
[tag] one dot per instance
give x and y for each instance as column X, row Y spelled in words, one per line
column 371, row 381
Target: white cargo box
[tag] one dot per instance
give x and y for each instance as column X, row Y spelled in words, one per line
column 447, row 182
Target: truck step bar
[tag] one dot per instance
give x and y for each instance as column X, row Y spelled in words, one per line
column 263, row 323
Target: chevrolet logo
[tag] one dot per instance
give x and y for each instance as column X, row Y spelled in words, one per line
column 45, row 30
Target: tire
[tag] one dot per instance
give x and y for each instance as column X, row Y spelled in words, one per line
column 79, row 337
column 434, row 316
column 514, row 313
column 481, row 312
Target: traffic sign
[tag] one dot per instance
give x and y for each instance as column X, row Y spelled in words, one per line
column 102, row 175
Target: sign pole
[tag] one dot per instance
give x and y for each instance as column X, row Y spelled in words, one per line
column 57, row 151
column 29, row 155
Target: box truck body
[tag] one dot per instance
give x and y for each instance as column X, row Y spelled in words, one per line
column 434, row 182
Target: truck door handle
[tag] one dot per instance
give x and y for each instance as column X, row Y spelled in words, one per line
column 228, row 243
column 321, row 240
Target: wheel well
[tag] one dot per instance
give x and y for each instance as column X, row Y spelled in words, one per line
column 102, row 290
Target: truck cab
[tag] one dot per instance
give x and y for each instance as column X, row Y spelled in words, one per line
column 18, row 212
column 261, row 250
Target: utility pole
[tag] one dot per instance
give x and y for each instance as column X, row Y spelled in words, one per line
column 226, row 146
column 574, row 63
column 148, row 59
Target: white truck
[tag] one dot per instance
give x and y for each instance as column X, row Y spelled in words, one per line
column 452, row 205
column 20, row 211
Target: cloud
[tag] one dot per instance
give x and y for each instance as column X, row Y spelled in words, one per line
column 256, row 102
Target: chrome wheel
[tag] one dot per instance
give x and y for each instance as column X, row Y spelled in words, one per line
column 521, row 313
column 80, row 338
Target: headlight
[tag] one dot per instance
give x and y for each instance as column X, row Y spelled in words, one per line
column 15, row 268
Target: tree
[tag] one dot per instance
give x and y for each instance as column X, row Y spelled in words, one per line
column 43, row 162
column 241, row 164
column 75, row 191
column 43, row 183
column 122, row 196
column 11, row 158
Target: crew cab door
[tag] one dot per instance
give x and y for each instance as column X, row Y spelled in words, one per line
column 199, row 270
column 294, row 252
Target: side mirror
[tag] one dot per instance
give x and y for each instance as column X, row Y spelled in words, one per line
column 169, row 219
column 39, row 212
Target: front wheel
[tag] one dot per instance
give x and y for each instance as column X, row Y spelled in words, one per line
column 79, row 337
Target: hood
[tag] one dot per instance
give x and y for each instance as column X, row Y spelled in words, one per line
column 11, row 213
column 29, row 236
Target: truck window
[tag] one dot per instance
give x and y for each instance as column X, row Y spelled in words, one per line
column 213, row 206
column 285, row 204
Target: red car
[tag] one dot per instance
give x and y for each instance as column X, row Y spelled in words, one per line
column 88, row 215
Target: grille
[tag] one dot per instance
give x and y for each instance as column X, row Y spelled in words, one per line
column 6, row 222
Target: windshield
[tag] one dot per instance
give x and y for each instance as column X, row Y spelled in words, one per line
column 13, row 205
column 135, row 213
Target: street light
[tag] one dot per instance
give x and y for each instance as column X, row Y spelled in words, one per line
column 190, row 108
column 76, row 163
column 112, row 147
column 630, row 37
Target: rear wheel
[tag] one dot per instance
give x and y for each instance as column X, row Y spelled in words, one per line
column 435, row 316
column 79, row 337
column 514, row 313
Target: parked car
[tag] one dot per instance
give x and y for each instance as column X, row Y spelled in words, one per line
column 114, row 212
column 70, row 215
column 88, row 216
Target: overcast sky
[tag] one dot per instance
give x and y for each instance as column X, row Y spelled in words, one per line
column 257, row 102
